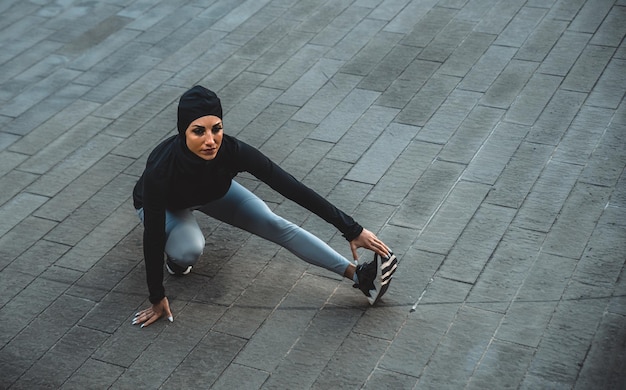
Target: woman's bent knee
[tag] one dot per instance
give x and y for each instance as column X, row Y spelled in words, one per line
column 185, row 245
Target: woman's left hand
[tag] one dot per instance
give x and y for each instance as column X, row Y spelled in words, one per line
column 368, row 240
column 153, row 313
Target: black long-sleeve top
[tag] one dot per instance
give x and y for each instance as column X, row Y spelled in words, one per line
column 175, row 179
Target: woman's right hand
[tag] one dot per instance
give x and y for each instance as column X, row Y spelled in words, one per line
column 153, row 313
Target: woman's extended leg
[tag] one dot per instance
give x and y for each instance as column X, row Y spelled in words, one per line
column 241, row 208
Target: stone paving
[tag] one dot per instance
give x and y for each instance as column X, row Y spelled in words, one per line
column 483, row 140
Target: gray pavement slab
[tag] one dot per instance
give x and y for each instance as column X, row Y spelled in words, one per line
column 483, row 140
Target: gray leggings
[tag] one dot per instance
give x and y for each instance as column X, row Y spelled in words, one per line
column 241, row 208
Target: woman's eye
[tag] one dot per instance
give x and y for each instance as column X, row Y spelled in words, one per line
column 216, row 129
column 198, row 131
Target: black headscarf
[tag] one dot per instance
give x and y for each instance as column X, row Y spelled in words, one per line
column 196, row 103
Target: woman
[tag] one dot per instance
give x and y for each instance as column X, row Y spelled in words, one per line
column 194, row 170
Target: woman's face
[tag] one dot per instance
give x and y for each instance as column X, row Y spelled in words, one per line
column 204, row 136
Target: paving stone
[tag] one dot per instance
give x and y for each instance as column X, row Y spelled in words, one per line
column 258, row 301
column 475, row 10
column 110, row 45
column 387, row 10
column 425, row 102
column 355, row 40
column 249, row 108
column 53, row 128
column 40, row 91
column 566, row 10
column 547, row 279
column 520, row 174
column 268, row 16
column 582, row 209
column 604, row 365
column 587, row 69
column 503, row 365
column 166, row 26
column 40, row 113
column 591, row 16
column 13, row 183
column 543, row 204
column 144, row 139
column 400, row 92
column 126, row 99
column 533, row 99
column 18, row 208
column 477, row 131
column 608, row 154
column 295, row 66
column 445, row 122
column 117, row 71
column 487, row 69
column 381, row 378
column 509, row 84
column 92, row 247
column 281, row 329
column 418, row 339
column 520, row 27
column 429, row 26
column 389, row 68
column 396, row 184
column 38, row 257
column 414, row 11
column 606, row 92
column 29, row 27
column 583, row 135
column 206, row 362
column 325, row 334
column 446, row 41
column 426, row 196
column 560, row 354
column 337, row 123
column 7, row 140
column 460, row 350
column 266, row 124
column 506, row 270
column 344, row 370
column 525, row 322
column 362, row 135
column 331, row 94
column 541, row 39
column 612, row 30
column 598, row 269
column 332, row 18
column 451, row 218
column 366, row 59
column 60, row 362
column 564, row 53
column 371, row 167
column 474, row 247
column 463, row 58
column 553, row 121
column 498, row 17
column 94, row 373
column 74, row 165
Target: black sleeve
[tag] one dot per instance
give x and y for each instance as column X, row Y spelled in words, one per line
column 154, row 237
column 259, row 165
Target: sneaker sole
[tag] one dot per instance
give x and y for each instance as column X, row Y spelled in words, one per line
column 384, row 274
column 171, row 272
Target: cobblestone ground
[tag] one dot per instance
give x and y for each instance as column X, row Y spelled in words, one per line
column 483, row 140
